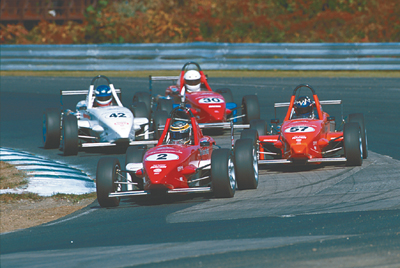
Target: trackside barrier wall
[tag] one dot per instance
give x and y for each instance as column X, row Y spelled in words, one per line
column 211, row 56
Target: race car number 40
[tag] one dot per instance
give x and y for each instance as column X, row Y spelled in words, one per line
column 299, row 129
column 162, row 157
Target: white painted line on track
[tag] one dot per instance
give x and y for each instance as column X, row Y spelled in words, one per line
column 71, row 218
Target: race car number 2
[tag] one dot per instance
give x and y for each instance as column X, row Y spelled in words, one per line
column 297, row 129
column 162, row 157
column 211, row 100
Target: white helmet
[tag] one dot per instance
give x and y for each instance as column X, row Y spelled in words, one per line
column 192, row 80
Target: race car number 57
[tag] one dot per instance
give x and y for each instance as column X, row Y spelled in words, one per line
column 162, row 157
column 297, row 129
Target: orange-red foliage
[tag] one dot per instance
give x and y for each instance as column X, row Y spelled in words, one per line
column 236, row 21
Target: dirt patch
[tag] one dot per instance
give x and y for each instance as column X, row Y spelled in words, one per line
column 26, row 213
column 19, row 211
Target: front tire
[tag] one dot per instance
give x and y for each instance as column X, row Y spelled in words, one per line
column 106, row 175
column 145, row 97
column 359, row 118
column 353, row 150
column 70, row 135
column 259, row 125
column 139, row 109
column 223, row 180
column 51, row 128
column 246, row 164
column 250, row 108
column 226, row 93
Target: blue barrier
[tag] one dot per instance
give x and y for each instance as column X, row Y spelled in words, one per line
column 211, row 56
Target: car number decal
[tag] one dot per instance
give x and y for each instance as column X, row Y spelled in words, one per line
column 162, row 157
column 211, row 100
column 299, row 129
column 117, row 115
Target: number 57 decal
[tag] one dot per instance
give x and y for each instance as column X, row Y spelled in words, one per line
column 301, row 129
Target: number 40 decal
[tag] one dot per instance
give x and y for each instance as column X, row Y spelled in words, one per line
column 301, row 129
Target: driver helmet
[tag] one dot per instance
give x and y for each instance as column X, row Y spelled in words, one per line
column 303, row 107
column 103, row 95
column 192, row 80
column 180, row 132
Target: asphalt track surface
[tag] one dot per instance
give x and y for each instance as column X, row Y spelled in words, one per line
column 319, row 216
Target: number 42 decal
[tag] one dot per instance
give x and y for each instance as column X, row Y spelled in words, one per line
column 299, row 129
column 116, row 115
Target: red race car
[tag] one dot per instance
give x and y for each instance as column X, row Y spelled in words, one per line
column 308, row 134
column 183, row 161
column 212, row 109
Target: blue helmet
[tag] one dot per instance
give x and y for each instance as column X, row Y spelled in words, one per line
column 303, row 107
column 103, row 95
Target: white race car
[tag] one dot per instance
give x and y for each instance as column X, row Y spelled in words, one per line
column 91, row 126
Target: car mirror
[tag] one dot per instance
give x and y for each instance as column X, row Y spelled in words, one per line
column 275, row 121
column 204, row 143
column 331, row 118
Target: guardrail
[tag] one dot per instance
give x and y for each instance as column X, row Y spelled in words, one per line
column 211, row 56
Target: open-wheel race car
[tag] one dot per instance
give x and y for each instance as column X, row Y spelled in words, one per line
column 212, row 109
column 183, row 161
column 309, row 135
column 98, row 121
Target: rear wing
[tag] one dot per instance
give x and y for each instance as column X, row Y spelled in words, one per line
column 327, row 102
column 160, row 78
column 80, row 92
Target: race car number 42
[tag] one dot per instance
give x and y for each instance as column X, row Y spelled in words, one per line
column 299, row 129
column 162, row 157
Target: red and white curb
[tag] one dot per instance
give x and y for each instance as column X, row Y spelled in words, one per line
column 46, row 177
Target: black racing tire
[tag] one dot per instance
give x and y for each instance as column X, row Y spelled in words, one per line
column 70, row 135
column 246, row 164
column 359, row 118
column 260, row 126
column 134, row 154
column 165, row 105
column 51, row 128
column 226, row 93
column 143, row 96
column 139, row 109
column 160, row 118
column 250, row 108
column 250, row 133
column 352, row 142
column 106, row 174
column 223, row 181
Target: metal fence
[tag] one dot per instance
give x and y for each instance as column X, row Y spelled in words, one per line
column 211, row 56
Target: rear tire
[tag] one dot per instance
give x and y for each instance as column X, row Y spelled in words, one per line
column 51, row 128
column 250, row 108
column 226, row 93
column 359, row 118
column 160, row 118
column 134, row 154
column 145, row 97
column 223, row 181
column 70, row 135
column 106, row 174
column 260, row 126
column 165, row 105
column 352, row 144
column 246, row 164
column 139, row 109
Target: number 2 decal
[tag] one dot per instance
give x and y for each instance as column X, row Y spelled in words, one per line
column 162, row 157
column 299, row 129
column 117, row 115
